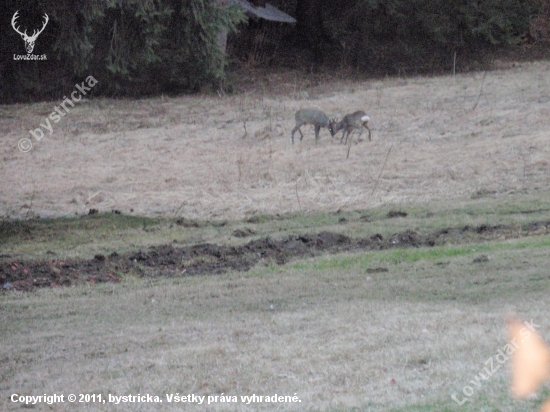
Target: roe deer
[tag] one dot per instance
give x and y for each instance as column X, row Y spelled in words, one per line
column 314, row 117
column 356, row 120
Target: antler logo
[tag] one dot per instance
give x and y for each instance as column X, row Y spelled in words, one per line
column 29, row 40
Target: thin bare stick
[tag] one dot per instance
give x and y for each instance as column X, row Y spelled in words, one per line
column 480, row 90
column 30, row 207
column 245, row 131
column 349, row 147
column 454, row 64
column 298, row 197
column 179, row 208
column 381, row 171
column 525, row 158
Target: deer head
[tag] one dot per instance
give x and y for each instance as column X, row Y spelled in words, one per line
column 29, row 40
column 332, row 126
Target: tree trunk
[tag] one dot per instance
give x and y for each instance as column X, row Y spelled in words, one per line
column 310, row 29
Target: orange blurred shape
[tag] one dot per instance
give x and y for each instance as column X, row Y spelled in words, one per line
column 530, row 360
column 545, row 406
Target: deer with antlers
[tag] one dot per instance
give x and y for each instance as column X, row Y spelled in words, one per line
column 29, row 40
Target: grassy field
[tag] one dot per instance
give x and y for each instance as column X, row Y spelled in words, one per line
column 396, row 329
column 438, row 138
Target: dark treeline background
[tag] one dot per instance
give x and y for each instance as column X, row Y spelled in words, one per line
column 146, row 47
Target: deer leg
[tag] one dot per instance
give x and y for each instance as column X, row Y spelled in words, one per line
column 294, row 131
column 369, row 132
column 317, row 130
column 348, row 130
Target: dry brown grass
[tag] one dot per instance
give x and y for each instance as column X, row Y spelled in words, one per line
column 192, row 155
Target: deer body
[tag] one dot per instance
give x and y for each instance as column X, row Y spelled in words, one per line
column 357, row 120
column 314, row 117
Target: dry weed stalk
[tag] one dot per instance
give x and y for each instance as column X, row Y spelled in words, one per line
column 29, row 210
column 245, row 131
column 179, row 208
column 349, row 148
column 298, row 197
column 381, row 171
column 379, row 94
column 480, row 90
column 454, row 65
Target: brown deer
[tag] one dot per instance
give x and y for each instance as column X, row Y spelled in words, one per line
column 352, row 121
column 314, row 117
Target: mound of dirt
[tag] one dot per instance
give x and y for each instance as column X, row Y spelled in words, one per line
column 209, row 259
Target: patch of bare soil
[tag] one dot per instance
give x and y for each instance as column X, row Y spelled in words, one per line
column 169, row 260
